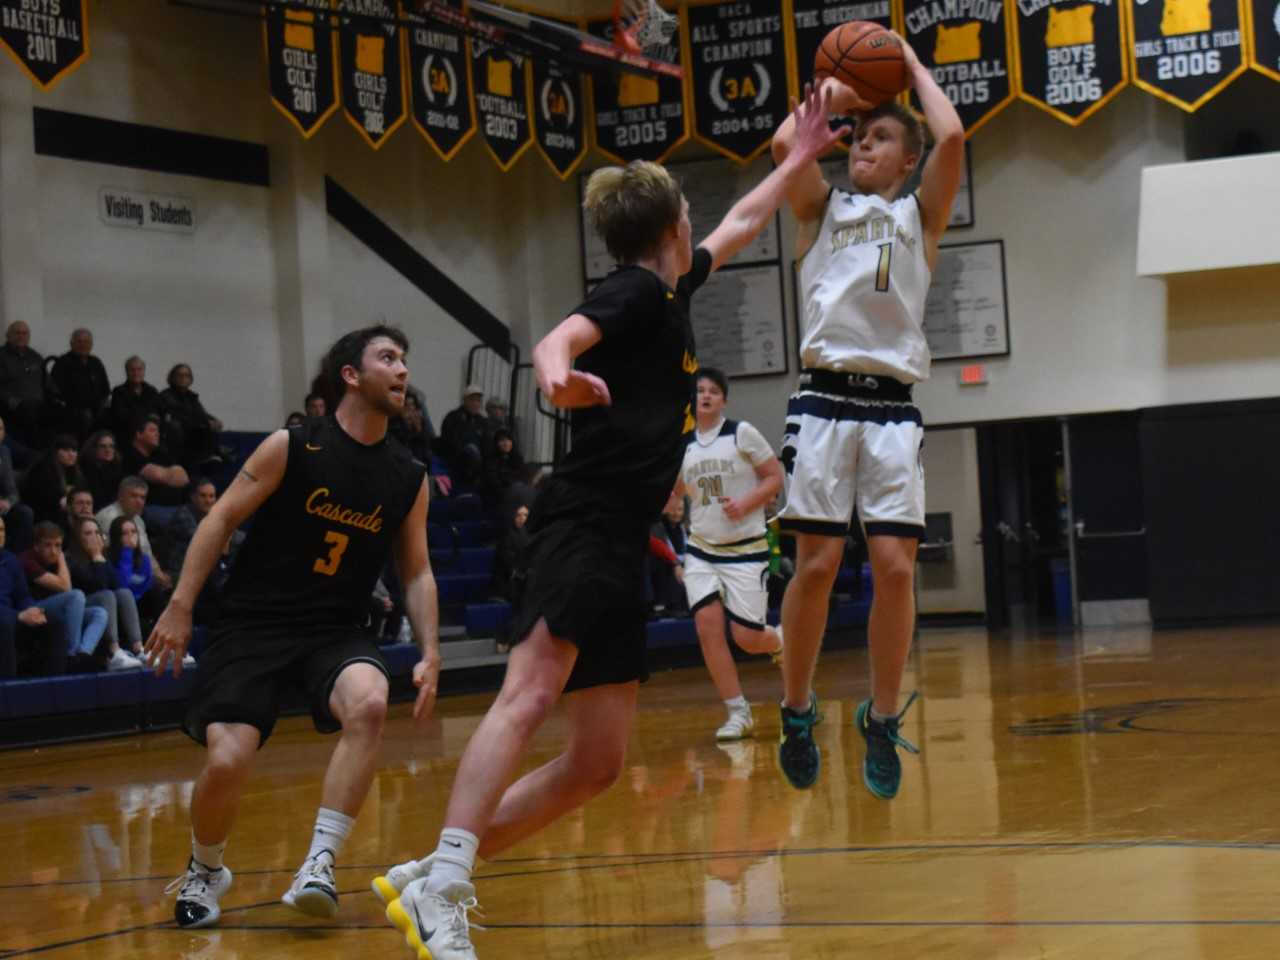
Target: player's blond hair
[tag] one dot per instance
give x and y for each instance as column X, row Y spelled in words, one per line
column 913, row 138
column 631, row 207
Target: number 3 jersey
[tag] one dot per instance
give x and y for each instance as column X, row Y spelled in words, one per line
column 863, row 285
column 318, row 544
column 720, row 465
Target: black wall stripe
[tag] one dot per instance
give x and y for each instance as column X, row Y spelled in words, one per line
column 414, row 267
column 74, row 136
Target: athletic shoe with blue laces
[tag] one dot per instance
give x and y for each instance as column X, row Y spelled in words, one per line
column 881, row 769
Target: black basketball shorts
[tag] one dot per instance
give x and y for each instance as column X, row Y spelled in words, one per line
column 249, row 668
column 584, row 573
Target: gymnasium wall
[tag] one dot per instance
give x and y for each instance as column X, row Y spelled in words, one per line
column 268, row 279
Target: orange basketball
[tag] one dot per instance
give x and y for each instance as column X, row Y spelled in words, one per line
column 866, row 57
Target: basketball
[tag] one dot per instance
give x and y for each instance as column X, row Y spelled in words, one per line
column 864, row 56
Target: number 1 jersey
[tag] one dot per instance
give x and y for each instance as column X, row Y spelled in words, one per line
column 863, row 285
column 318, row 544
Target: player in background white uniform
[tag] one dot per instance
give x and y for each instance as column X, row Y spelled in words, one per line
column 729, row 473
column 853, row 436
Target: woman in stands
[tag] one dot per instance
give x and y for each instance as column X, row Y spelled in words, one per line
column 51, row 477
column 97, row 577
column 102, row 467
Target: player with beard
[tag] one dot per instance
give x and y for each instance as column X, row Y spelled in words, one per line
column 331, row 499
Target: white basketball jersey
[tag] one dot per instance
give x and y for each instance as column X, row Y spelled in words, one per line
column 863, row 285
column 719, row 465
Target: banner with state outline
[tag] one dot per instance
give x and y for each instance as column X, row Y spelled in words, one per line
column 371, row 68
column 501, row 93
column 302, row 77
column 1186, row 51
column 1070, row 55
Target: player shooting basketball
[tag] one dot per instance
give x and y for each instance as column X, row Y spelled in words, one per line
column 853, row 436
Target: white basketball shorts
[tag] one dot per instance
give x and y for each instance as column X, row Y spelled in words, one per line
column 740, row 583
column 846, row 452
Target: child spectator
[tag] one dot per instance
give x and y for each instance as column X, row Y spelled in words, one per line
column 97, row 579
column 502, row 465
column 508, row 563
column 49, row 580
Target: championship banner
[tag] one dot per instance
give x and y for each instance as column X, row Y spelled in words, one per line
column 372, row 81
column 47, row 39
column 966, row 44
column 814, row 19
column 502, row 101
column 1264, row 36
column 559, row 127
column 1185, row 51
column 1070, row 55
column 300, row 70
column 737, row 57
column 440, row 91
column 635, row 117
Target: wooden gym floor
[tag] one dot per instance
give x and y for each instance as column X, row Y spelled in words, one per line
column 1100, row 796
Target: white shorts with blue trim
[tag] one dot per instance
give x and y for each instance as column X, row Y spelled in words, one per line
column 847, row 452
column 738, row 582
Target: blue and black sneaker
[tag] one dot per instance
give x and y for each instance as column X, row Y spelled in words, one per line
column 797, row 753
column 882, row 770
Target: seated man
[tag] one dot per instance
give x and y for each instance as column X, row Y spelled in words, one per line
column 49, row 579
column 22, row 384
column 24, row 624
column 144, row 457
column 79, row 504
column 194, row 430
column 178, row 535
column 130, row 502
column 315, row 405
column 462, row 437
column 82, row 385
column 133, row 401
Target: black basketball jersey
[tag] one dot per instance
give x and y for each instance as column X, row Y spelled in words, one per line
column 318, row 544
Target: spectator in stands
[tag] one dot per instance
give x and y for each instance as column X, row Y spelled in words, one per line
column 146, row 458
column 410, row 429
column 133, row 401
column 495, row 408
column 102, row 466
column 22, row 394
column 23, row 624
column 502, row 465
column 462, row 437
column 508, row 563
column 18, row 515
column 295, row 419
column 81, row 385
column 49, row 579
column 135, row 568
column 522, row 492
column 315, row 405
column 97, row 579
column 666, row 560
column 182, row 527
column 195, row 430
column 51, row 478
column 79, row 504
column 131, row 500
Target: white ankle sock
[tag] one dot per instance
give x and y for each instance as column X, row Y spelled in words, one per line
column 879, row 717
column 455, row 858
column 738, row 704
column 331, row 832
column 208, row 855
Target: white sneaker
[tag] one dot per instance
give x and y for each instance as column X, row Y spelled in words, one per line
column 199, row 890
column 123, row 660
column 313, row 891
column 739, row 726
column 435, row 925
column 391, row 884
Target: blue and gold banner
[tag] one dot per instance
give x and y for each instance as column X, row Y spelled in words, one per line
column 48, row 40
column 372, row 78
column 301, row 74
column 968, row 47
column 1070, row 55
column 1185, row 51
